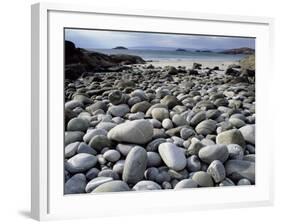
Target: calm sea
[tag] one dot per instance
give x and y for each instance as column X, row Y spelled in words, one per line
column 160, row 55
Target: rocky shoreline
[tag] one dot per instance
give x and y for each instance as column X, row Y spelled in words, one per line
column 153, row 128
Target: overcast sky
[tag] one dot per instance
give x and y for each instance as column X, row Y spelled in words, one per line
column 110, row 39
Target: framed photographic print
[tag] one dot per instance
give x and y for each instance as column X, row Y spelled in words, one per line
column 148, row 111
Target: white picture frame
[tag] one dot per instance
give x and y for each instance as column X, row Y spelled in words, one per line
column 48, row 201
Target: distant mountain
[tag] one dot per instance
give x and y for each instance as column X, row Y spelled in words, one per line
column 120, row 48
column 242, row 50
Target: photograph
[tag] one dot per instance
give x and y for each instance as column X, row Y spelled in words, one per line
column 157, row 111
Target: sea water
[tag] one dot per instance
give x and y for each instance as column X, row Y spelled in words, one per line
column 173, row 55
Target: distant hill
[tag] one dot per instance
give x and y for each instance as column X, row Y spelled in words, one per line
column 204, row 51
column 180, row 49
column 242, row 50
column 120, row 48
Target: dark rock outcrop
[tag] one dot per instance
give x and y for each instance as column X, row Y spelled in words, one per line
column 78, row 61
column 248, row 67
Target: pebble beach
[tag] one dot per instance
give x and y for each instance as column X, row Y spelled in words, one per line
column 159, row 126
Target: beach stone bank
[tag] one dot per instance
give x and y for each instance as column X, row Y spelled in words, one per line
column 132, row 126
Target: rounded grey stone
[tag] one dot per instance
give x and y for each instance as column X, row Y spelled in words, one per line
column 116, row 97
column 153, row 145
column 186, row 183
column 179, row 120
column 206, row 127
column 112, row 155
column 162, row 177
column 203, row 179
column 250, row 157
column 178, row 141
column 133, row 100
column 136, row 116
column 119, row 167
column 118, row 110
column 193, row 163
column 217, row 171
column 170, row 101
column 238, row 169
column 72, row 136
column 80, row 163
column 157, row 105
column 139, row 93
column 124, row 149
column 73, row 104
column 179, row 175
column 140, row 107
column 233, row 136
column 92, row 173
column 135, row 165
column 207, row 141
column 146, row 185
column 138, row 132
column 151, row 173
column 153, row 159
column 155, row 123
column 226, row 182
column 93, row 132
column 166, row 185
column 71, row 149
column 197, row 118
column 94, row 183
column 106, row 125
column 112, row 186
column 244, row 182
column 167, row 123
column 236, row 122
column 172, row 156
column 186, row 133
column 84, row 148
column 248, row 132
column 77, row 124
column 251, row 149
column 213, row 152
column 76, row 184
column 96, row 106
column 109, row 173
column 194, row 146
column 235, row 151
column 99, row 142
column 160, row 113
